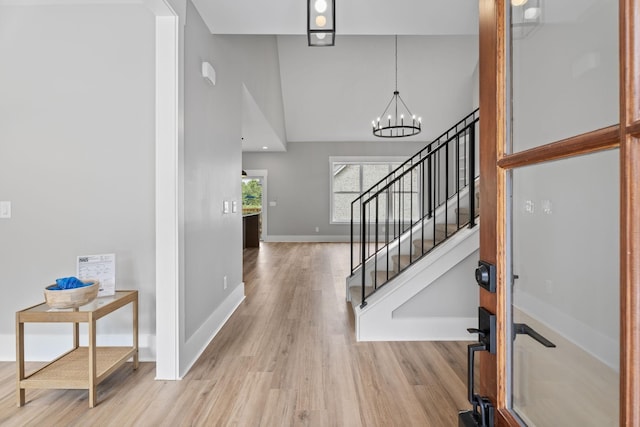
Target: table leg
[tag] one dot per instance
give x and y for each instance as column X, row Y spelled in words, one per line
column 92, row 362
column 135, row 333
column 20, row 359
column 76, row 335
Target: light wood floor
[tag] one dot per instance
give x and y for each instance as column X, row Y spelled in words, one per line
column 287, row 357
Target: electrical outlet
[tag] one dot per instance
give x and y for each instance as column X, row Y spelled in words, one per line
column 317, row 229
column 224, row 280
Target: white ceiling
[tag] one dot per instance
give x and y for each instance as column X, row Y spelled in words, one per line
column 333, row 93
column 353, row 17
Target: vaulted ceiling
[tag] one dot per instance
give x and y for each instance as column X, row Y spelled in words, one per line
column 333, row 93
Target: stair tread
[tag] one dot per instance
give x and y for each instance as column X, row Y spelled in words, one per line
column 380, row 277
column 427, row 242
column 465, row 211
column 404, row 260
column 404, row 257
column 356, row 293
column 448, row 227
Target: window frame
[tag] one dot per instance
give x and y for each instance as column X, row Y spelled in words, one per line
column 392, row 161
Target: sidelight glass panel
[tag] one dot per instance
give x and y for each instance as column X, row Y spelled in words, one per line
column 565, row 254
column 564, row 64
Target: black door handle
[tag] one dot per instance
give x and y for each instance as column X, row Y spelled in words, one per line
column 524, row 329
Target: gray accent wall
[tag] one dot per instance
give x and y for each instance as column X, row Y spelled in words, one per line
column 76, row 158
column 212, row 157
column 299, row 185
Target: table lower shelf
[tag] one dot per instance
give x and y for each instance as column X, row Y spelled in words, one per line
column 72, row 369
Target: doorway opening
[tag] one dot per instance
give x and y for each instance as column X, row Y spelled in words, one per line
column 254, row 197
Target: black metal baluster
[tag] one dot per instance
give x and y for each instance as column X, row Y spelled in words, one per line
column 472, row 178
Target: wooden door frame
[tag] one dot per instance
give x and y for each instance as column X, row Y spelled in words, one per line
column 494, row 166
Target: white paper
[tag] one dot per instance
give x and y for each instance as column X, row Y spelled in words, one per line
column 99, row 267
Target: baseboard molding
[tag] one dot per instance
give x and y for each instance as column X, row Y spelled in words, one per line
column 198, row 342
column 312, row 239
column 46, row 347
column 421, row 329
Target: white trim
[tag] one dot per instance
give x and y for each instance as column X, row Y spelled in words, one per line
column 199, row 341
column 167, row 195
column 368, row 159
column 314, row 238
column 375, row 322
column 423, row 329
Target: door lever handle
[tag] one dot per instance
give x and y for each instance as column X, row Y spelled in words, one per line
column 524, row 329
column 476, row 331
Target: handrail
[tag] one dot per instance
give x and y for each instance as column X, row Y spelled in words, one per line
column 445, row 137
column 417, row 185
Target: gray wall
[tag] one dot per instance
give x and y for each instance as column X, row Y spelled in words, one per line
column 454, row 294
column 212, row 157
column 76, row 157
column 211, row 161
column 299, row 184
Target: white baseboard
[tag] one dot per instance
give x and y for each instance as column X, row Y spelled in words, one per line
column 198, row 342
column 312, row 238
column 421, row 329
column 46, row 347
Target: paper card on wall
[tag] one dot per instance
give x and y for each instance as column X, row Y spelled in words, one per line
column 100, row 267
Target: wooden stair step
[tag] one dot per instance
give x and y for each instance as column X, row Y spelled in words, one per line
column 420, row 245
column 445, row 230
column 450, row 228
column 404, row 260
column 356, row 293
column 465, row 211
column 380, row 277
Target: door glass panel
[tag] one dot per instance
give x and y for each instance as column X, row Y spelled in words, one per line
column 564, row 63
column 565, row 252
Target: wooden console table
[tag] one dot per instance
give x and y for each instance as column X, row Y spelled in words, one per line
column 81, row 367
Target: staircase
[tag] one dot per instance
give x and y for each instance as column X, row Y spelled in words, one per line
column 412, row 228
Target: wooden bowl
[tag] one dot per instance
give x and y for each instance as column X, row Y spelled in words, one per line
column 71, row 298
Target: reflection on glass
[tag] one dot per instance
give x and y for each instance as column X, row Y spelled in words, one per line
column 564, row 69
column 565, row 230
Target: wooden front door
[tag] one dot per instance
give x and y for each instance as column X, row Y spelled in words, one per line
column 560, row 210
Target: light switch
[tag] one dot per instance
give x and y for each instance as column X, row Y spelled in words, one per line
column 225, row 207
column 5, row 209
column 234, row 207
column 272, row 203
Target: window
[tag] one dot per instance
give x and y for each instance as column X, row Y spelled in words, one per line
column 350, row 177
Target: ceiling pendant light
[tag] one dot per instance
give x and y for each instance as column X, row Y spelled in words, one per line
column 396, row 121
column 321, row 22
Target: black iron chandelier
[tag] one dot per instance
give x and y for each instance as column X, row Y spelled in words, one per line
column 396, row 121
